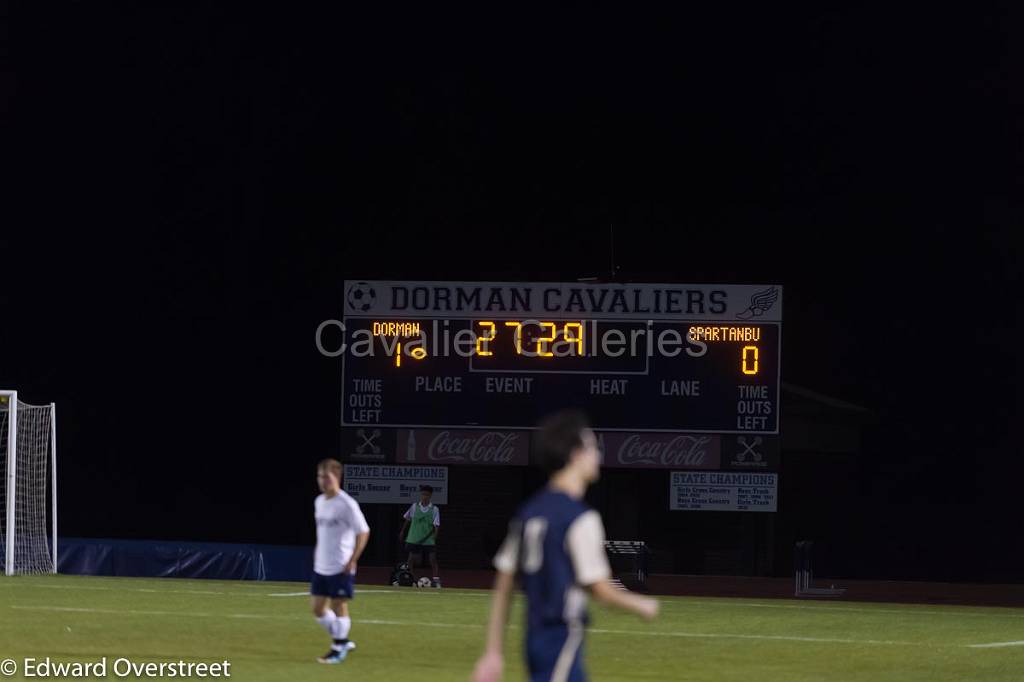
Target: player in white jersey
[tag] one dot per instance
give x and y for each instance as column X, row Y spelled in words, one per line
column 341, row 537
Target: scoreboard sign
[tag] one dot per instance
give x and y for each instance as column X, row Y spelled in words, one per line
column 635, row 357
column 723, row 491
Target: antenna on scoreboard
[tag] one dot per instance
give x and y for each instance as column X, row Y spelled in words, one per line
column 614, row 274
column 611, row 241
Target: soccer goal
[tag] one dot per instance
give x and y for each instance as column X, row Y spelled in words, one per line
column 803, row 559
column 28, row 462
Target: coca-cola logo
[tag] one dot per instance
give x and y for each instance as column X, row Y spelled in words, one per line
column 680, row 451
column 489, row 447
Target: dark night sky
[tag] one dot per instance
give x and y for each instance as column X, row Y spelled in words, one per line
column 192, row 185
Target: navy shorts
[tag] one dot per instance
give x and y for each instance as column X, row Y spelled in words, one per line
column 340, row 585
column 555, row 652
column 425, row 550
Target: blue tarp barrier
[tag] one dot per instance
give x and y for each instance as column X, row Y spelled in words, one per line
column 150, row 558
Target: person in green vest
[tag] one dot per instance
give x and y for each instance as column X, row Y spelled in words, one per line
column 419, row 532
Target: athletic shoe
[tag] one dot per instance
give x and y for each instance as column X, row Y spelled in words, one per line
column 333, row 656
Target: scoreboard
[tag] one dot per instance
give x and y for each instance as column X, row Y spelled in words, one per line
column 635, row 357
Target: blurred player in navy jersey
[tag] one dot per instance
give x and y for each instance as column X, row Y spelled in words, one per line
column 341, row 537
column 555, row 545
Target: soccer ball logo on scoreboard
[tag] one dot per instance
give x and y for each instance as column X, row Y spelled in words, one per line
column 361, row 297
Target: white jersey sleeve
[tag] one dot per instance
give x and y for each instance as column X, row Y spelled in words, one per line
column 507, row 558
column 585, row 542
column 437, row 516
column 408, row 512
column 358, row 521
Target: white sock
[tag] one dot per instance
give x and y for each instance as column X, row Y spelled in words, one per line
column 341, row 628
column 328, row 621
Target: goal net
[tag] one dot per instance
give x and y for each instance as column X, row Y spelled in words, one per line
column 27, row 487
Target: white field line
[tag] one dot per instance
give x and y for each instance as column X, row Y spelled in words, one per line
column 726, row 601
column 996, row 645
column 242, row 588
column 909, row 611
column 238, row 593
column 404, row 591
column 420, row 625
column 209, row 614
column 357, row 592
column 598, row 631
column 785, row 638
column 124, row 589
column 124, row 582
column 135, row 612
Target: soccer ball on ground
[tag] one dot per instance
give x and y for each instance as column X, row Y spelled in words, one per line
column 423, row 582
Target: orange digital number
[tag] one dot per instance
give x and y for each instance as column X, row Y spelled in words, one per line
column 416, row 353
column 577, row 337
column 481, row 340
column 519, row 335
column 749, row 358
column 541, row 341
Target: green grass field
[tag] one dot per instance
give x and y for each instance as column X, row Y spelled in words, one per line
column 267, row 633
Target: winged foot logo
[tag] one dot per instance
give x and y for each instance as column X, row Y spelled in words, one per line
column 760, row 303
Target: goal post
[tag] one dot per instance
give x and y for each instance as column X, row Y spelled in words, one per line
column 28, row 453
